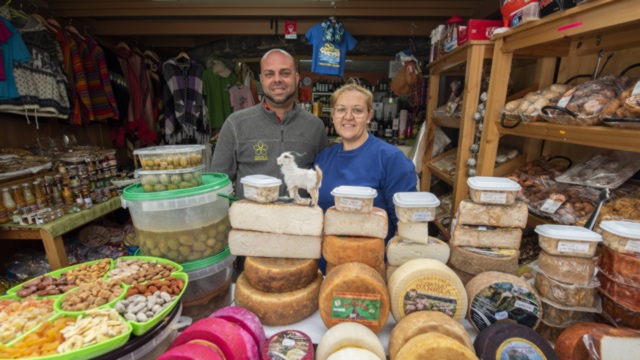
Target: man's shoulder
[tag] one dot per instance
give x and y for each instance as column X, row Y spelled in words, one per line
column 245, row 114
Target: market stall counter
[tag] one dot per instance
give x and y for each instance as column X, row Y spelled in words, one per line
column 51, row 233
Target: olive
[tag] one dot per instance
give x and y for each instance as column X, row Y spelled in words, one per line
column 172, row 187
column 159, row 187
column 163, row 179
column 176, row 179
column 173, row 244
column 147, row 188
column 183, row 162
column 185, row 185
column 163, row 247
column 199, row 246
column 187, row 177
column 184, row 250
column 185, row 240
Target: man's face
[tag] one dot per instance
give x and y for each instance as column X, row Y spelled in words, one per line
column 279, row 79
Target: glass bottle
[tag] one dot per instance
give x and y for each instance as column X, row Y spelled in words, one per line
column 88, row 202
column 41, row 197
column 4, row 215
column 8, row 201
column 29, row 198
column 67, row 195
column 57, row 197
column 18, row 197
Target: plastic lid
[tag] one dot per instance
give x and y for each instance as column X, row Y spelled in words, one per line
column 203, row 267
column 168, row 149
column 355, row 191
column 261, row 180
column 568, row 232
column 210, row 182
column 492, row 183
column 622, row 228
column 415, row 199
column 174, row 171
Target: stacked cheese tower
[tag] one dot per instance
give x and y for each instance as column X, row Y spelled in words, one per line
column 619, row 275
column 414, row 211
column 487, row 229
column 282, row 243
column 565, row 276
column 354, row 230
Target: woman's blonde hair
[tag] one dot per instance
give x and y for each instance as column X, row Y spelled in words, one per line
column 352, row 85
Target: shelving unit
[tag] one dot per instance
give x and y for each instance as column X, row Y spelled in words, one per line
column 316, row 95
column 607, row 25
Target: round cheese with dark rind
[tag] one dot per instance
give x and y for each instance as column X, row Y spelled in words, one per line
column 288, row 344
column 343, row 249
column 495, row 297
column 278, row 275
column 434, row 345
column 507, row 340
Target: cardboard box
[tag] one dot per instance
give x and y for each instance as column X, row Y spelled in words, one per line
column 548, row 7
column 478, row 30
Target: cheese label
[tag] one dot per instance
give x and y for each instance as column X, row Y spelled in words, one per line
column 504, row 301
column 429, row 293
column 419, row 216
column 633, row 245
column 493, row 197
column 519, row 348
column 573, row 247
column 350, row 203
column 494, row 253
column 356, row 307
column 250, row 192
column 289, row 345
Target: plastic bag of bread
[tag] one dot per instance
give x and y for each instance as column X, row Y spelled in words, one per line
column 623, row 205
column 602, row 169
column 563, row 203
column 528, row 108
column 532, row 175
column 624, row 111
column 583, row 104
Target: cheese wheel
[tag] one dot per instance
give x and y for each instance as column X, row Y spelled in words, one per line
column 191, row 351
column 426, row 284
column 495, row 297
column 354, row 292
column 348, row 334
column 351, row 353
column 502, row 340
column 486, row 237
column 475, row 260
column 380, row 268
column 278, row 309
column 298, row 220
column 414, row 231
column 278, row 275
column 568, row 269
column 508, row 216
column 400, row 250
column 263, row 244
column 344, row 249
column 245, row 319
column 569, row 345
column 288, row 344
column 423, row 322
column 434, row 345
column 373, row 224
column 224, row 335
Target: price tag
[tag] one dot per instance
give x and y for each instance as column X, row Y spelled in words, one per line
column 493, row 197
column 350, row 203
column 633, row 245
column 524, row 306
column 573, row 247
column 288, row 342
column 482, row 228
column 422, row 216
column 550, row 206
column 501, row 315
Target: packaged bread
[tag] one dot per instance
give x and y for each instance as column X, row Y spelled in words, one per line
column 564, row 204
column 528, row 108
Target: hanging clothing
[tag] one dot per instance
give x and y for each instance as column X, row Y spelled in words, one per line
column 186, row 114
column 216, row 91
column 118, row 83
column 102, row 99
column 5, row 34
column 330, row 46
column 240, row 97
column 13, row 50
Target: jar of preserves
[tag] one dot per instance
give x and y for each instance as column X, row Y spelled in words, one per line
column 41, row 197
column 9, row 204
column 88, row 203
column 67, row 195
column 29, row 198
column 18, row 197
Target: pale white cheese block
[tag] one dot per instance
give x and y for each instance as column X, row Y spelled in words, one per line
column 470, row 213
column 349, row 334
column 256, row 243
column 289, row 219
column 615, row 346
column 414, row 231
column 486, row 237
column 400, row 250
column 373, row 224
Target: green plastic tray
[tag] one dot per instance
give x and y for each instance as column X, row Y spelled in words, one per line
column 148, row 258
column 142, row 328
column 57, row 306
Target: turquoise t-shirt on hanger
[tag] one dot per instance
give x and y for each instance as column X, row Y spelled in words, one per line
column 329, row 56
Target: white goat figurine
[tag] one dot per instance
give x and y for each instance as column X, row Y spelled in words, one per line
column 296, row 178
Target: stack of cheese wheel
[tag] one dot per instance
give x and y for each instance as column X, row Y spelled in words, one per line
column 354, row 229
column 619, row 274
column 348, row 341
column 565, row 278
column 453, row 340
column 231, row 333
column 282, row 243
column 414, row 211
column 488, row 228
column 589, row 340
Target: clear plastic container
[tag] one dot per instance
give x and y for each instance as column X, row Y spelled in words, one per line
column 568, row 240
column 621, row 236
column 163, row 180
column 171, row 157
column 415, row 206
column 354, row 198
column 261, row 188
column 208, row 275
column 493, row 190
column 204, row 306
column 181, row 225
column 565, row 294
column 555, row 315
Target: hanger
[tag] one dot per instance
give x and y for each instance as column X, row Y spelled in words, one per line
column 44, row 22
column 74, row 30
column 181, row 55
column 123, row 45
column 16, row 13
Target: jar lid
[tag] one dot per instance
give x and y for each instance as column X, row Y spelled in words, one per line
column 415, row 199
column 210, row 182
column 568, row 232
column 355, row 191
column 622, row 228
column 168, row 149
column 173, row 171
column 261, row 180
column 492, row 183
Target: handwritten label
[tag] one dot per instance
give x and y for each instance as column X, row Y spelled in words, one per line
column 250, row 192
column 350, row 203
column 573, row 247
column 493, row 197
column 422, row 216
column 633, row 245
column 525, row 306
column 550, row 206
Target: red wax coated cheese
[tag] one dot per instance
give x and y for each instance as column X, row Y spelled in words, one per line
column 246, row 320
column 223, row 334
column 569, row 345
column 288, row 344
column 191, row 352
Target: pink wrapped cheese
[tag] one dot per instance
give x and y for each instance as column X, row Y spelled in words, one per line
column 191, row 351
column 226, row 335
column 245, row 319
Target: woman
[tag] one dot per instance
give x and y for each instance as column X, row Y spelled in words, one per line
column 362, row 159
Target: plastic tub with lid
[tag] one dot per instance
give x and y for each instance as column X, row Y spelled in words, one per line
column 170, row 157
column 621, row 236
column 163, row 180
column 493, row 190
column 354, row 198
column 261, row 188
column 181, row 225
column 207, row 276
column 568, row 240
column 415, row 206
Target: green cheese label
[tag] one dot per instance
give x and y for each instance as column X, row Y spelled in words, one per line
column 355, row 307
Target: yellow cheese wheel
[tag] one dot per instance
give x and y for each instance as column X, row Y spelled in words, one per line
column 354, row 292
column 380, row 268
column 434, row 345
column 344, row 249
column 277, row 309
column 278, row 275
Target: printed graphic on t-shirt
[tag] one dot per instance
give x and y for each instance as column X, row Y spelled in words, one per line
column 329, row 56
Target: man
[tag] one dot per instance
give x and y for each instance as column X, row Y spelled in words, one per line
column 251, row 139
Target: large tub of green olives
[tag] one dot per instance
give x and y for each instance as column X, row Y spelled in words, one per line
column 181, row 225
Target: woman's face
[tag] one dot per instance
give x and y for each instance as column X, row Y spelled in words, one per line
column 350, row 117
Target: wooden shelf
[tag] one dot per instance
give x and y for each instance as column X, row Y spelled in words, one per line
column 510, row 165
column 447, row 121
column 458, row 56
